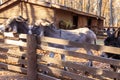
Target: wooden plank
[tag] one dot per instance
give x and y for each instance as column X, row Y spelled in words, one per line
column 11, row 34
column 12, row 60
column 7, row 3
column 17, row 43
column 58, row 72
column 1, row 40
column 91, row 70
column 12, row 68
column 101, row 37
column 23, row 36
column 47, row 4
column 46, row 77
column 8, row 46
column 9, row 58
column 101, row 48
column 24, row 70
column 3, row 50
column 81, row 55
column 31, row 57
column 3, row 56
column 12, row 52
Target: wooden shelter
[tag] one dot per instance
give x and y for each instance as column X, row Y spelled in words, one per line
column 62, row 16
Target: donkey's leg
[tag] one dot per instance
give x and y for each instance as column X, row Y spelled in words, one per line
column 51, row 54
column 90, row 63
column 63, row 57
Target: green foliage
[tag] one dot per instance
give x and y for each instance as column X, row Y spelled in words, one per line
column 65, row 24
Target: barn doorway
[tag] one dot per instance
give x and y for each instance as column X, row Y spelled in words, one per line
column 75, row 22
column 89, row 22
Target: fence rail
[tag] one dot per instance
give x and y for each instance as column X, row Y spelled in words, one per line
column 32, row 61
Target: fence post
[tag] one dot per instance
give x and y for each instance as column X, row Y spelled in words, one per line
column 31, row 57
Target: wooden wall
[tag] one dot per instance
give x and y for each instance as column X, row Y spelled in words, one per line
column 61, row 15
column 10, row 11
column 94, row 22
column 36, row 12
column 82, row 21
column 27, row 10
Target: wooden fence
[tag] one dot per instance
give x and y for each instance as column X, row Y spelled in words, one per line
column 25, row 54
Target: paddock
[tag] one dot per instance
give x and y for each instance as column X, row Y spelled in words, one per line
column 31, row 59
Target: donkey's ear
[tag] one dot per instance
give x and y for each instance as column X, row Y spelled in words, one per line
column 117, row 33
column 8, row 29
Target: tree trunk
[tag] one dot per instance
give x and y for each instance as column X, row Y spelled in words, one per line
column 99, row 7
column 80, row 5
column 111, row 15
column 88, row 6
column 1, row 2
column 83, row 5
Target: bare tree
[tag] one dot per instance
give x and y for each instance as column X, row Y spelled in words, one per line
column 1, row 1
column 83, row 6
column 80, row 5
column 88, row 6
column 93, row 7
column 116, row 12
column 99, row 7
column 111, row 14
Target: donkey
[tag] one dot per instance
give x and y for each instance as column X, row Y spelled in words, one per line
column 113, row 40
column 16, row 25
column 45, row 28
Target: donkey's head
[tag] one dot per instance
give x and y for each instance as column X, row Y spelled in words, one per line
column 16, row 25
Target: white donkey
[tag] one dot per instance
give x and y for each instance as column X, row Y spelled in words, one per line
column 80, row 35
